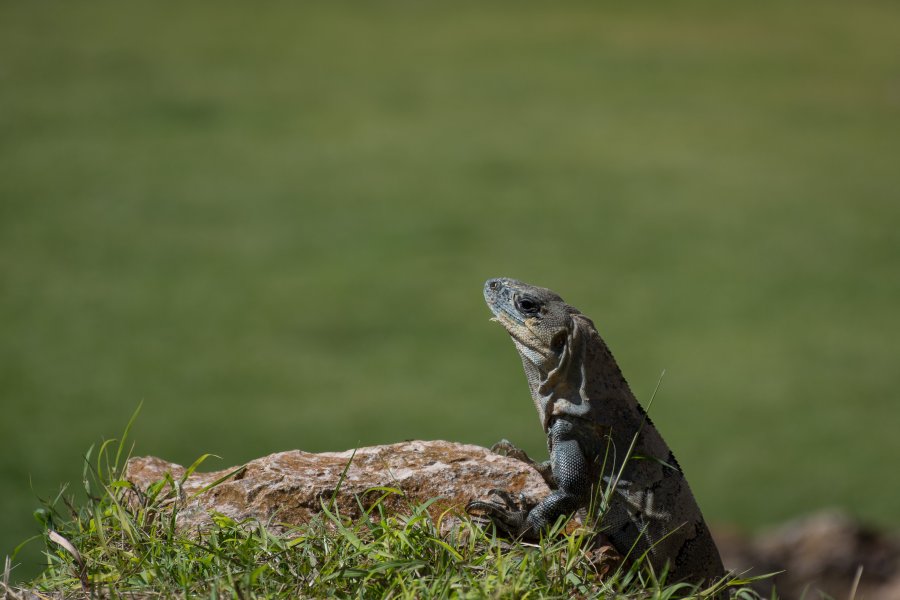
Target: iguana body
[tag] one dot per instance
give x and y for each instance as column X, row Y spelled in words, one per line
column 591, row 419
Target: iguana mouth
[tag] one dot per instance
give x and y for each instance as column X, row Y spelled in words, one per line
column 506, row 317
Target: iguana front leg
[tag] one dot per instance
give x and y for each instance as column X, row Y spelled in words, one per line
column 570, row 470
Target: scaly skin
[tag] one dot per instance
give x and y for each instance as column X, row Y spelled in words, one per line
column 591, row 419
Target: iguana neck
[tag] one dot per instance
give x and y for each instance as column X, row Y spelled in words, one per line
column 587, row 383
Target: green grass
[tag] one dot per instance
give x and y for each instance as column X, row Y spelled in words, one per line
column 123, row 542
column 272, row 224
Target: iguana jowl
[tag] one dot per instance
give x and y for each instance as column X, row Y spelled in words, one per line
column 591, row 419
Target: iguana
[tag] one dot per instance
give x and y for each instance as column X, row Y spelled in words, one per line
column 591, row 419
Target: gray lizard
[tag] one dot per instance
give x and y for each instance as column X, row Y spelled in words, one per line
column 597, row 433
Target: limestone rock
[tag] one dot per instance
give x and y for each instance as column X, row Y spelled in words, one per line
column 821, row 552
column 289, row 487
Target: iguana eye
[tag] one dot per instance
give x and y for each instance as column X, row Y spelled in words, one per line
column 527, row 306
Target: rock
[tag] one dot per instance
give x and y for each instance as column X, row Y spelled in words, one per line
column 821, row 552
column 289, row 487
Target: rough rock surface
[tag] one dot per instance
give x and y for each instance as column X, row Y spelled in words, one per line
column 822, row 551
column 289, row 487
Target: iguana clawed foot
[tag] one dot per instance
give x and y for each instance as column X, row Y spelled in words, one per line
column 509, row 517
column 506, row 448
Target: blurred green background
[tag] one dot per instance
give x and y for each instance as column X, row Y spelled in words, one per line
column 271, row 222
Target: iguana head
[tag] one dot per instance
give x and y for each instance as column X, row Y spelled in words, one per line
column 537, row 319
column 558, row 345
column 550, row 336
